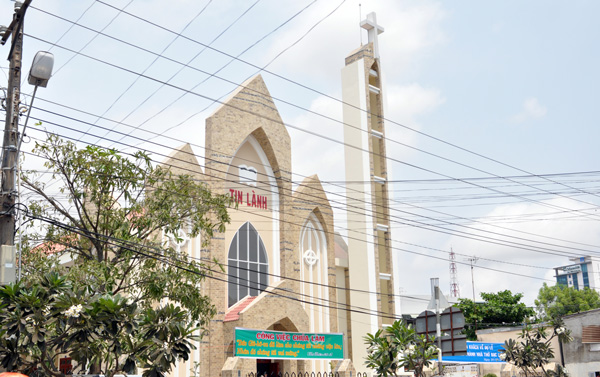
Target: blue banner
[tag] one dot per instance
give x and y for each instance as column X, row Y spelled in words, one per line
column 478, row 352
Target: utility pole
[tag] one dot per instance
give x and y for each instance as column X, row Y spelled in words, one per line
column 8, row 191
column 473, row 259
column 435, row 293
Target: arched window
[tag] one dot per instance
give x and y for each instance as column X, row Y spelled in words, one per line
column 313, row 272
column 248, row 174
column 247, row 263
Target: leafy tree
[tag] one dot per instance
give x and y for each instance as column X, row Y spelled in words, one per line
column 559, row 300
column 125, row 284
column 533, row 350
column 399, row 346
column 497, row 309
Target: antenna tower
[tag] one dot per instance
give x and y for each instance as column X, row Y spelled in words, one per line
column 454, row 289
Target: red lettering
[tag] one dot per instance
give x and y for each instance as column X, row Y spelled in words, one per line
column 240, row 197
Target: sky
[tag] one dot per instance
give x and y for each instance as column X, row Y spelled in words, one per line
column 482, row 98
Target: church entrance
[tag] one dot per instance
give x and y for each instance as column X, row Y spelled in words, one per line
column 267, row 368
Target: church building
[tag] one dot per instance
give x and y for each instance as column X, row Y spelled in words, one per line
column 285, row 268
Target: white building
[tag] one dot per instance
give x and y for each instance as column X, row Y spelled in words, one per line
column 583, row 272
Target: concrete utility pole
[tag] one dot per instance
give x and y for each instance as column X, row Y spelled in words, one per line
column 8, row 193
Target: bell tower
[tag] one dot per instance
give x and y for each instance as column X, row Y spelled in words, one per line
column 369, row 234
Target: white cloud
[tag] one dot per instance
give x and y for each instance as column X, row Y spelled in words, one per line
column 532, row 109
column 405, row 104
column 410, row 28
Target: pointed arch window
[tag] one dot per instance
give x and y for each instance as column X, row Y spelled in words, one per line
column 248, row 174
column 248, row 265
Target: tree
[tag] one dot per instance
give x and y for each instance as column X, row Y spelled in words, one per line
column 497, row 309
column 125, row 285
column 534, row 350
column 559, row 300
column 399, row 346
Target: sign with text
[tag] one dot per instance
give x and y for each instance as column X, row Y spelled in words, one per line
column 263, row 344
column 570, row 269
column 478, row 352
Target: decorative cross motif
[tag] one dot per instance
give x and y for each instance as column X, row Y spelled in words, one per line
column 370, row 24
column 179, row 245
column 310, row 257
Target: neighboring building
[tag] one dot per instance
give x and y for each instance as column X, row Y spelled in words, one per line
column 582, row 355
column 502, row 334
column 583, row 272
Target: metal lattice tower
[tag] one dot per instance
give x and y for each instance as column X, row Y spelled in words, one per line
column 454, row 289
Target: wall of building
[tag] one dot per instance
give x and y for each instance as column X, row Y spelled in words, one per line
column 582, row 358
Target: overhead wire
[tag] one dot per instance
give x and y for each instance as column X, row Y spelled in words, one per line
column 520, row 183
column 374, row 243
column 337, row 141
column 332, row 139
column 420, row 224
column 198, row 14
column 336, row 99
column 228, row 93
column 338, row 194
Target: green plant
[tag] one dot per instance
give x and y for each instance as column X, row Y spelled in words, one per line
column 118, row 221
column 533, row 350
column 399, row 346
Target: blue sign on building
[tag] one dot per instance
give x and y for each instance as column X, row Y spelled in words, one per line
column 478, row 352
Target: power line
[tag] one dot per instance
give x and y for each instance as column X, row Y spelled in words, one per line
column 419, row 224
column 152, row 62
column 313, row 133
column 409, row 251
column 331, row 97
column 313, row 112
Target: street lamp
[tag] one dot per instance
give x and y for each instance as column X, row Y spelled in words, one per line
column 39, row 74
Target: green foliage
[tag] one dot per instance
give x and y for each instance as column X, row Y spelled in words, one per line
column 490, row 375
column 498, row 309
column 44, row 319
column 533, row 350
column 113, row 225
column 559, row 300
column 396, row 347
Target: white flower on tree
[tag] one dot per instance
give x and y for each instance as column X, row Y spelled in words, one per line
column 74, row 311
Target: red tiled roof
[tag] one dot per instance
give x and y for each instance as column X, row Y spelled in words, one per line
column 51, row 247
column 233, row 313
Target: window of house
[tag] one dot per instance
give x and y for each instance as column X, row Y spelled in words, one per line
column 248, row 174
column 247, row 264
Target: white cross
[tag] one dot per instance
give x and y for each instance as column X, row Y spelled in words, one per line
column 370, row 24
column 310, row 257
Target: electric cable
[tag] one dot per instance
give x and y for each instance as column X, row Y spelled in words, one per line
column 314, row 133
column 308, row 110
column 392, row 247
column 151, row 63
column 351, row 206
column 326, row 95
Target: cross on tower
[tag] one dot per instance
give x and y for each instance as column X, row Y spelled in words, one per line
column 370, row 24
